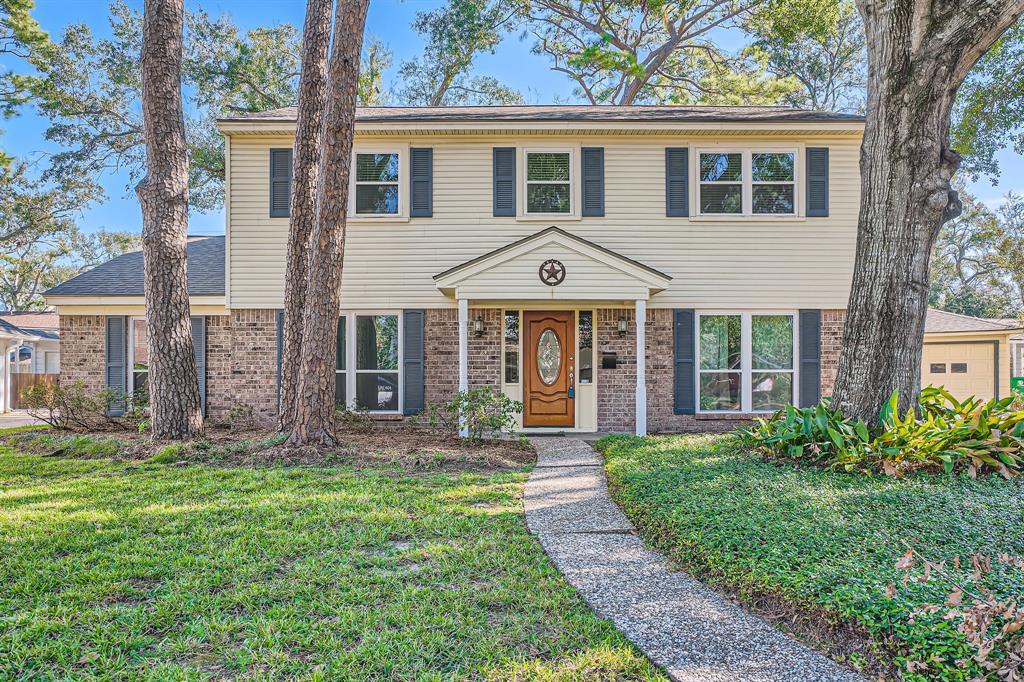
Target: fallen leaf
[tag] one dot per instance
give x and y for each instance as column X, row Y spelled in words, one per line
column 906, row 561
column 955, row 597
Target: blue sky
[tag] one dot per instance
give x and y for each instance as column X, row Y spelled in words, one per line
column 388, row 20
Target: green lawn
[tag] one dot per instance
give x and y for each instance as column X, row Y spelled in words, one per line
column 827, row 541
column 119, row 570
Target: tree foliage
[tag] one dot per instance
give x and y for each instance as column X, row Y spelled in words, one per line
column 20, row 36
column 643, row 51
column 456, row 34
column 990, row 107
column 825, row 55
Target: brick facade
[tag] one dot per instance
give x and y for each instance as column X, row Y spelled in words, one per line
column 83, row 341
column 832, row 322
column 241, row 362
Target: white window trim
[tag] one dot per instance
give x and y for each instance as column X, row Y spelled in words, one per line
column 505, row 347
column 351, row 371
column 746, row 370
column 403, row 183
column 747, row 183
column 130, row 365
column 574, row 189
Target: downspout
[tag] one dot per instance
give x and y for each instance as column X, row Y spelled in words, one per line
column 5, row 404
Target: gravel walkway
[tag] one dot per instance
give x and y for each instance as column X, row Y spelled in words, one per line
column 692, row 632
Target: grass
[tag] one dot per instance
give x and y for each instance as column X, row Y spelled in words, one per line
column 821, row 541
column 142, row 571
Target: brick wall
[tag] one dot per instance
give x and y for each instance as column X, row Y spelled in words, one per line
column 83, row 343
column 254, row 361
column 616, row 388
column 219, row 396
column 832, row 322
column 441, row 349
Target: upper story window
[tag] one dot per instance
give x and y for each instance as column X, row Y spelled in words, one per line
column 549, row 178
column 747, row 182
column 376, row 183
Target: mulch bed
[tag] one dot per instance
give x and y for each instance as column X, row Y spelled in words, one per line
column 405, row 448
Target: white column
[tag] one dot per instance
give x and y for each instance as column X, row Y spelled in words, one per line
column 641, row 367
column 463, row 355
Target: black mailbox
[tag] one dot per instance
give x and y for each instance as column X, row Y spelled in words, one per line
column 609, row 360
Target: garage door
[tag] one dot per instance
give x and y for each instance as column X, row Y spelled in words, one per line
column 965, row 369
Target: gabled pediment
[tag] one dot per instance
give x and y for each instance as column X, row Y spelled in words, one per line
column 591, row 272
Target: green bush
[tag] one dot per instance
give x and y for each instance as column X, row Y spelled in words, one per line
column 943, row 433
column 486, row 413
column 72, row 407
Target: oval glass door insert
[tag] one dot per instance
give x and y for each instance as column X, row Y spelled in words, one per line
column 549, row 357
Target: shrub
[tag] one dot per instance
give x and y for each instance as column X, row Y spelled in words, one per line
column 487, row 413
column 242, row 416
column 355, row 421
column 943, row 433
column 72, row 407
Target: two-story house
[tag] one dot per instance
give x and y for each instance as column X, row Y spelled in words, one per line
column 641, row 268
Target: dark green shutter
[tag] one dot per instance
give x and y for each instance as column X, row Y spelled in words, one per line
column 412, row 358
column 504, row 181
column 593, row 181
column 677, row 181
column 280, row 182
column 280, row 354
column 817, row 181
column 199, row 346
column 810, row 357
column 421, row 183
column 116, row 360
column 684, row 354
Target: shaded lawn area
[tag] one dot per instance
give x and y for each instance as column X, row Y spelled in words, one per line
column 825, row 542
column 146, row 571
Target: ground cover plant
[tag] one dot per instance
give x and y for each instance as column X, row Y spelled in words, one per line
column 822, row 552
column 943, row 433
column 131, row 569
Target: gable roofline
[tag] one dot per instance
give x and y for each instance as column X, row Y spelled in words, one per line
column 946, row 322
column 450, row 276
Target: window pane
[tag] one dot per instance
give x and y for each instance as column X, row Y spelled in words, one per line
column 721, row 198
column 720, row 391
column 773, row 198
column 772, row 345
column 377, row 342
column 721, row 167
column 586, row 359
column 771, row 167
column 377, row 391
column 512, row 347
column 547, row 166
column 340, row 391
column 771, row 391
column 376, row 167
column 340, row 354
column 140, row 344
column 547, row 198
column 720, row 342
column 373, row 199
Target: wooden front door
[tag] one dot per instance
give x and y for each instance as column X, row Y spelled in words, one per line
column 549, row 368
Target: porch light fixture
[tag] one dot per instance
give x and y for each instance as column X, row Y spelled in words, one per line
column 478, row 326
column 623, row 326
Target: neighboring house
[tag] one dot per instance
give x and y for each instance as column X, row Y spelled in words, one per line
column 533, row 249
column 12, row 339
column 970, row 356
column 43, row 355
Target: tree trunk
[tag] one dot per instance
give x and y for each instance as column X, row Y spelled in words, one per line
column 316, row 41
column 919, row 52
column 314, row 405
column 163, row 194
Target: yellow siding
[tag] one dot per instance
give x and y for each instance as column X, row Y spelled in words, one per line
column 788, row 263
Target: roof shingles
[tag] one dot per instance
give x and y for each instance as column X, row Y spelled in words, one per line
column 123, row 276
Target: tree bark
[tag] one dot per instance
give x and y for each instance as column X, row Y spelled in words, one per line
column 316, row 41
column 919, row 52
column 314, row 405
column 163, row 194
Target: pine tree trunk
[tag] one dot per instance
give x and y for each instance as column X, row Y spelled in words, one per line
column 163, row 194
column 314, row 405
column 919, row 52
column 316, row 41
